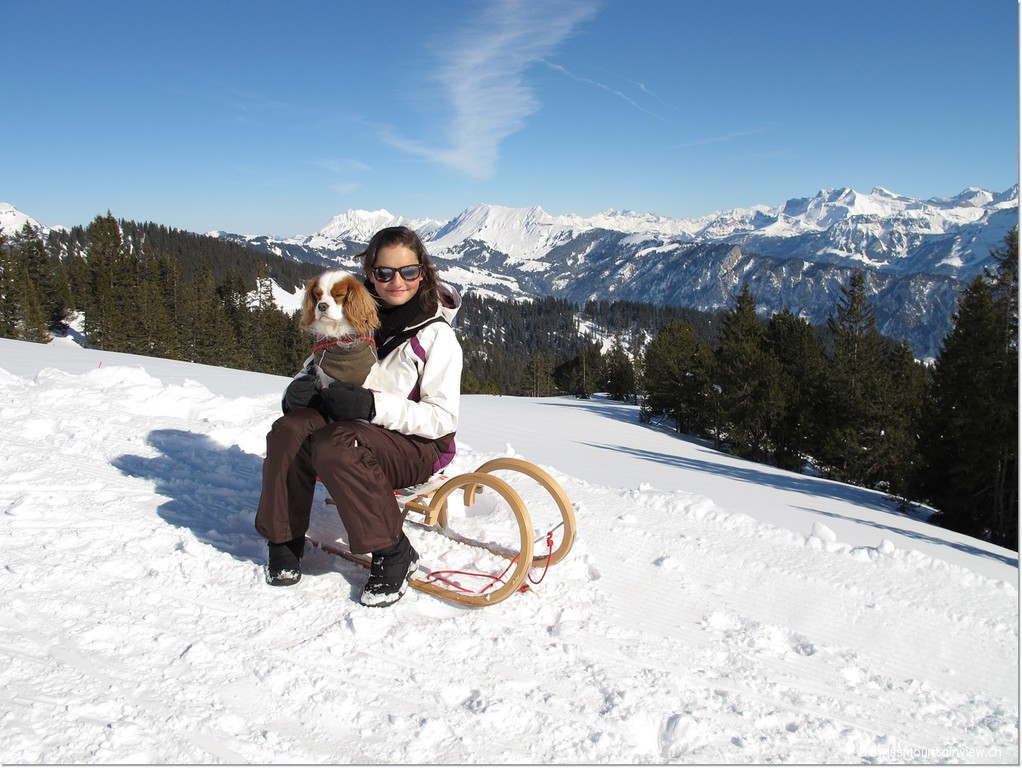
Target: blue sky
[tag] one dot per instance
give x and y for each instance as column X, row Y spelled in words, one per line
column 263, row 117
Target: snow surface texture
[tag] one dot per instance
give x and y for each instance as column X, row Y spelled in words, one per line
column 712, row 610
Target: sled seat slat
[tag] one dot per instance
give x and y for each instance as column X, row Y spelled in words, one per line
column 418, row 498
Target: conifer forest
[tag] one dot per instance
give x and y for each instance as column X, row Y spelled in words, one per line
column 841, row 401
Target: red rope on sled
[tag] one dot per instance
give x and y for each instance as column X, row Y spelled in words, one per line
column 494, row 580
column 549, row 552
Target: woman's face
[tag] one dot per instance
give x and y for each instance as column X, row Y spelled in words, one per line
column 396, row 291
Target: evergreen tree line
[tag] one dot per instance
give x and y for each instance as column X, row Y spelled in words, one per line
column 192, row 251
column 35, row 296
column 139, row 300
column 843, row 398
column 550, row 346
column 857, row 406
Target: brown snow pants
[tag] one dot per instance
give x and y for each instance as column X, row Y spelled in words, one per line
column 359, row 463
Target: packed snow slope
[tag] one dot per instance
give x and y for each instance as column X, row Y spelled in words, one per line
column 711, row 610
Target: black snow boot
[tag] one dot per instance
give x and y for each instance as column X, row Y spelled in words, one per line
column 388, row 576
column 284, row 567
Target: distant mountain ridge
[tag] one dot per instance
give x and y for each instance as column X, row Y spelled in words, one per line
column 881, row 229
column 798, row 255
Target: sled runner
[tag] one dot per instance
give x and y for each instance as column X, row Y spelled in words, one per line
column 493, row 541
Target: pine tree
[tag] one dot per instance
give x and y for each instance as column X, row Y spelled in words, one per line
column 52, row 297
column 177, row 304
column 295, row 342
column 677, row 378
column 212, row 336
column 23, row 264
column 1004, row 283
column 33, row 320
column 103, row 316
column 8, row 281
column 971, row 441
column 620, row 372
column 799, row 350
column 538, row 377
column 271, row 339
column 584, row 374
column 853, row 423
column 79, row 280
column 63, row 299
column 749, row 376
column 902, row 397
column 234, row 300
column 154, row 333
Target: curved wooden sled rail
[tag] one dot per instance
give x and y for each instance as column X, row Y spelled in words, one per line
column 430, row 501
column 554, row 489
column 471, row 482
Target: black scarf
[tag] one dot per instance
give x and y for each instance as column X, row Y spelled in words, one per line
column 394, row 320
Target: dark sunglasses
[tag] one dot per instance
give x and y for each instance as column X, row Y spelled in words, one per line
column 408, row 273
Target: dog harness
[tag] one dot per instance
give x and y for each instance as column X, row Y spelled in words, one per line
column 347, row 359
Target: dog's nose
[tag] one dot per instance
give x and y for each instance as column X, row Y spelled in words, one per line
column 323, row 306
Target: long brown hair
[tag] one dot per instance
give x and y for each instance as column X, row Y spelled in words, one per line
column 429, row 292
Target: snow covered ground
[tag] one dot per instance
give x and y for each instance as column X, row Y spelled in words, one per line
column 712, row 610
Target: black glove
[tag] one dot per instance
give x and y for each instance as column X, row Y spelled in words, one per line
column 345, row 402
column 302, row 392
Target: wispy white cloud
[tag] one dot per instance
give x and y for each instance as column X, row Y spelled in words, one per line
column 341, row 167
column 619, row 94
column 342, row 170
column 481, row 73
column 345, row 188
column 247, row 104
column 731, row 136
column 649, row 92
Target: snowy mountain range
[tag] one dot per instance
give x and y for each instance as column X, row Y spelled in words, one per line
column 880, row 230
column 796, row 255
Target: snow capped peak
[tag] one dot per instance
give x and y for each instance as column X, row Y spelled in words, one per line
column 633, row 221
column 836, row 195
column 12, row 220
column 1006, row 199
column 497, row 217
column 502, row 216
column 882, row 192
column 967, row 198
column 522, row 233
column 826, row 209
column 359, row 224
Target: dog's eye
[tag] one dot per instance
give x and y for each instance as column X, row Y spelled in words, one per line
column 317, row 292
column 338, row 293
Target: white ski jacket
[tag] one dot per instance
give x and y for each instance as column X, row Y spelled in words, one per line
column 417, row 386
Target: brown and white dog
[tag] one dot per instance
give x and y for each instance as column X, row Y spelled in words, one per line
column 341, row 314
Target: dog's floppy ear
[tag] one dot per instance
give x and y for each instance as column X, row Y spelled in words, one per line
column 308, row 305
column 360, row 307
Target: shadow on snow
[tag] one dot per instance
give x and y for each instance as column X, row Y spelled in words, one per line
column 813, row 487
column 785, row 481
column 211, row 489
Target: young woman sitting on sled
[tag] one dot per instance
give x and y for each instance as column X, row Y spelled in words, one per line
column 363, row 442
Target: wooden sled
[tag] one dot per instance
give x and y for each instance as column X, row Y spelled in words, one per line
column 430, row 502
